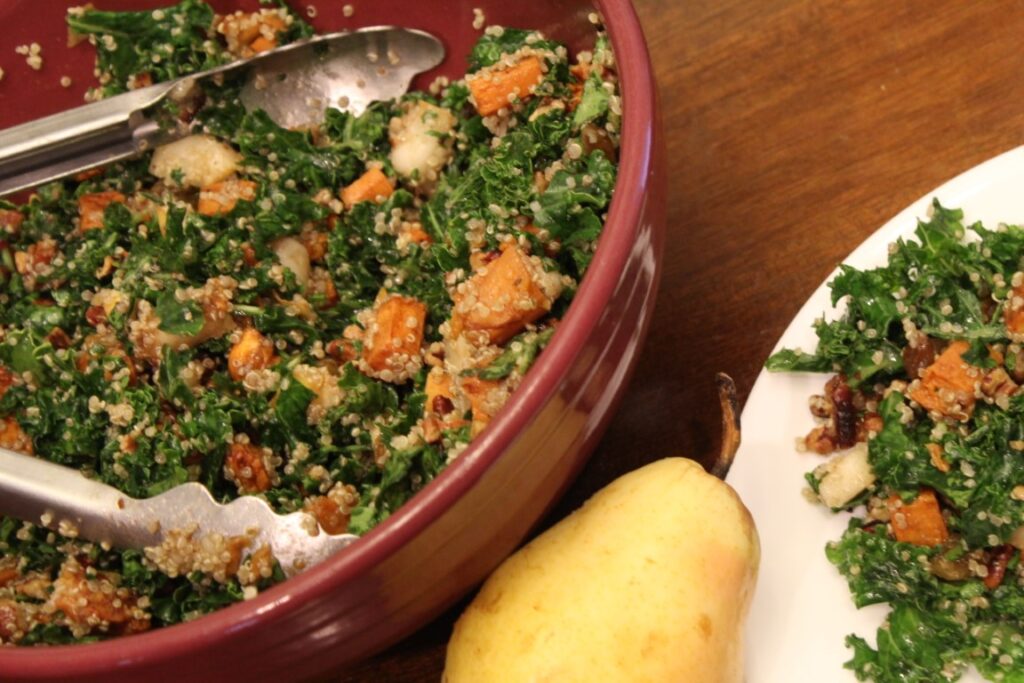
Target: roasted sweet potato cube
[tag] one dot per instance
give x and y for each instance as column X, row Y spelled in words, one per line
column 936, row 455
column 14, row 619
column 372, row 186
column 10, row 221
column 395, row 335
column 485, row 399
column 328, row 514
column 39, row 254
column 947, row 385
column 92, row 206
column 8, row 571
column 416, row 234
column 252, row 352
column 501, row 298
column 90, row 173
column 13, row 437
column 919, row 522
column 245, row 466
column 251, row 33
column 240, row 27
column 494, row 89
column 6, row 379
column 263, row 44
column 89, row 600
column 220, row 198
column 1013, row 314
column 316, row 244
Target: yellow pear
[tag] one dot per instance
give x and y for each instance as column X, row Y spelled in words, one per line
column 650, row 580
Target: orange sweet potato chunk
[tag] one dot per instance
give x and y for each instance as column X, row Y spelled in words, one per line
column 369, row 187
column 1013, row 314
column 501, row 299
column 417, row 235
column 396, row 332
column 328, row 514
column 13, row 437
column 251, row 33
column 439, row 412
column 947, row 385
column 478, row 391
column 252, row 352
column 7, row 378
column 245, row 466
column 92, row 206
column 493, row 88
column 88, row 601
column 919, row 522
column 221, row 198
column 263, row 44
column 10, row 221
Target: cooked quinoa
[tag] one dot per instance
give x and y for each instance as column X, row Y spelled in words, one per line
column 323, row 318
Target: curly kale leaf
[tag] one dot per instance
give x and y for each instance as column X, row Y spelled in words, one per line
column 162, row 44
column 571, row 207
column 518, row 357
column 492, row 46
column 915, row 646
column 870, row 295
column 30, row 544
column 842, row 347
column 983, row 467
column 179, row 317
column 879, row 569
column 361, row 255
column 364, row 135
column 334, row 161
column 405, row 473
column 290, row 410
column 594, row 102
column 942, row 284
column 165, row 44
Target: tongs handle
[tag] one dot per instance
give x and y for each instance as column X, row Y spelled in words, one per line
column 56, row 497
column 78, row 139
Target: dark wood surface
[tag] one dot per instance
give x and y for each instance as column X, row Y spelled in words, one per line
column 794, row 129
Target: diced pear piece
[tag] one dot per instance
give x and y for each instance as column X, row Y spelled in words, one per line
column 845, row 476
column 202, row 160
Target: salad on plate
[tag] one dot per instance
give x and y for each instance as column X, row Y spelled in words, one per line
column 922, row 424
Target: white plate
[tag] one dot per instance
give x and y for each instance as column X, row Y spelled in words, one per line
column 802, row 610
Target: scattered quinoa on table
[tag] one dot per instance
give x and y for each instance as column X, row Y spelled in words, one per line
column 923, row 421
column 322, row 317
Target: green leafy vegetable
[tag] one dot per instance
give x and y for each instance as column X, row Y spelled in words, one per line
column 179, row 317
column 174, row 342
column 952, row 606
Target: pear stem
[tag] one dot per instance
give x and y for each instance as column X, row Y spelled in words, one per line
column 730, row 425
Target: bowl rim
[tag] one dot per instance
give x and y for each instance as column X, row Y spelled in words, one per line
column 615, row 245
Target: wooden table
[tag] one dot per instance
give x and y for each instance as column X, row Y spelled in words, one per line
column 794, row 129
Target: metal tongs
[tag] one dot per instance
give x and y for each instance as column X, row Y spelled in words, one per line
column 294, row 84
column 64, row 500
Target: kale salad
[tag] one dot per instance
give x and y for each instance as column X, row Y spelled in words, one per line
column 923, row 418
column 322, row 317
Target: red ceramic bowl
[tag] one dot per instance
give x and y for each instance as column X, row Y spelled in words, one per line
column 457, row 529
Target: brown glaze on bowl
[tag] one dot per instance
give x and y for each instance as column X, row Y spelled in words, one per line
column 458, row 528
